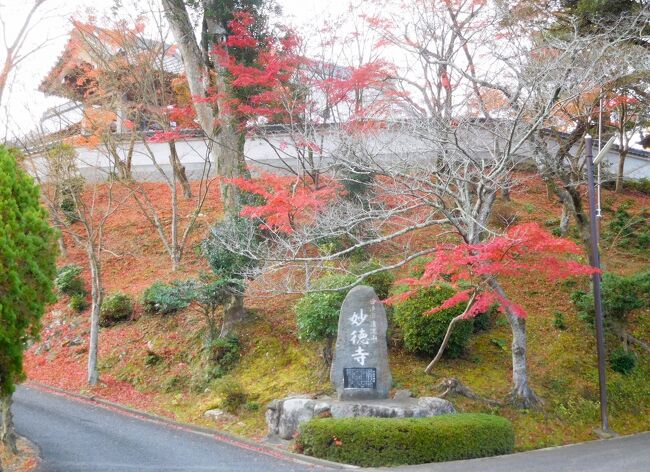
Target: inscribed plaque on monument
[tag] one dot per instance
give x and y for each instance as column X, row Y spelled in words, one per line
column 355, row 377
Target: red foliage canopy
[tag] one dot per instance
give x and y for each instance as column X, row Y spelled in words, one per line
column 259, row 86
column 524, row 249
column 288, row 200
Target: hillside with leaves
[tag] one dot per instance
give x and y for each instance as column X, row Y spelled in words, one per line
column 155, row 361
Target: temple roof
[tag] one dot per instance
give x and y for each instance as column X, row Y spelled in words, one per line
column 89, row 45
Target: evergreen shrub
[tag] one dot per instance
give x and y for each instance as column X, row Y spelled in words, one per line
column 27, row 269
column 382, row 282
column 423, row 334
column 78, row 302
column 163, row 299
column 379, row 442
column 622, row 361
column 68, row 280
column 317, row 313
column 116, row 308
column 620, row 294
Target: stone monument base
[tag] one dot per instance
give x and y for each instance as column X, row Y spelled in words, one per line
column 284, row 416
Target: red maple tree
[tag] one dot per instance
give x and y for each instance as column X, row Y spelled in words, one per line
column 471, row 269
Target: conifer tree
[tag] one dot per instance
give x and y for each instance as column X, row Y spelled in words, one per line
column 27, row 268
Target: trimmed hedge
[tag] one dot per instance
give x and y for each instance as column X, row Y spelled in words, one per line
column 377, row 442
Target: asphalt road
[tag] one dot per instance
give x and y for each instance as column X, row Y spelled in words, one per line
column 83, row 437
column 624, row 454
column 80, row 436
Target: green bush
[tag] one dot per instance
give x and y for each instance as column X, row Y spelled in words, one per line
column 629, row 231
column 116, row 308
column 558, row 321
column 68, row 280
column 378, row 442
column 163, row 299
column 69, row 191
column 224, row 354
column 232, row 394
column 317, row 313
column 381, row 282
column 620, row 294
column 252, row 406
column 223, row 261
column 621, row 361
column 641, row 185
column 637, row 185
column 78, row 302
column 334, row 244
column 484, row 321
column 423, row 334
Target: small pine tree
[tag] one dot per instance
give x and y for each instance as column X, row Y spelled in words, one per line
column 27, row 269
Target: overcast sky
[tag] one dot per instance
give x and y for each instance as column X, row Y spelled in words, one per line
column 24, row 104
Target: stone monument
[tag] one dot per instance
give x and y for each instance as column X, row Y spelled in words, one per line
column 360, row 373
column 360, row 368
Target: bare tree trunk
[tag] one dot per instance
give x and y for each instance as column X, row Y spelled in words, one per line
column 572, row 202
column 328, row 353
column 97, row 298
column 211, row 335
column 621, row 170
column 233, row 314
column 174, row 253
column 505, row 191
column 521, row 395
column 63, row 251
column 179, row 170
column 7, row 433
column 564, row 221
column 228, row 151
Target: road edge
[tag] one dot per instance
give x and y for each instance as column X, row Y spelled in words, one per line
column 223, row 436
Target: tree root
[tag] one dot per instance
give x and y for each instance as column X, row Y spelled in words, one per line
column 453, row 386
column 524, row 400
column 631, row 339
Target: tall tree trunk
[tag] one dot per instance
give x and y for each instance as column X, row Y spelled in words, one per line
column 522, row 394
column 572, row 202
column 97, row 298
column 210, row 357
column 328, row 353
column 7, row 433
column 63, row 251
column 621, row 170
column 179, row 170
column 564, row 221
column 233, row 314
column 174, row 252
column 229, row 150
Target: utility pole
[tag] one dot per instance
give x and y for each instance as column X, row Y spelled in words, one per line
column 604, row 430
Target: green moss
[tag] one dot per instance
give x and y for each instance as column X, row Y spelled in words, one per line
column 273, row 368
